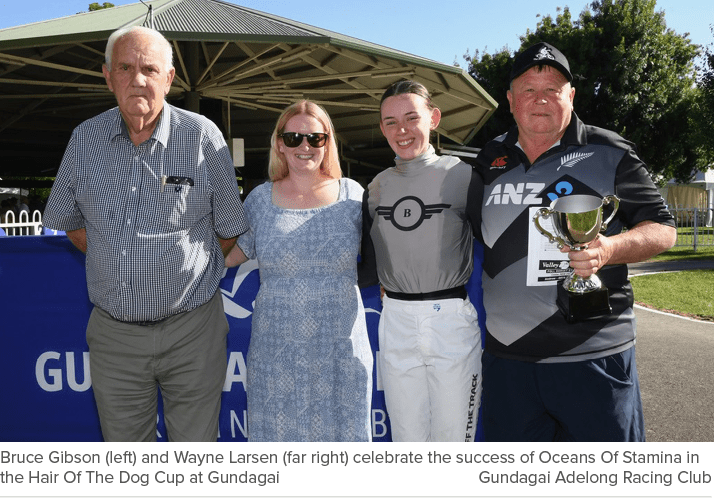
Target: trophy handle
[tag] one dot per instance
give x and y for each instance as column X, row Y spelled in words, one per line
column 545, row 213
column 616, row 202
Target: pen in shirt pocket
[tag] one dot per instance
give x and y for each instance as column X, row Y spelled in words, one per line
column 176, row 181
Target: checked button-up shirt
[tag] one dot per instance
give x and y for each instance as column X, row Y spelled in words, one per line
column 152, row 212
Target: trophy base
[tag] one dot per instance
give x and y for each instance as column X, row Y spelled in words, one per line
column 585, row 306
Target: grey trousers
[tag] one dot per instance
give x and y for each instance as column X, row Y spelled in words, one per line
column 184, row 355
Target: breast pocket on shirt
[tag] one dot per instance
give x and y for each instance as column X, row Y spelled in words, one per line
column 183, row 202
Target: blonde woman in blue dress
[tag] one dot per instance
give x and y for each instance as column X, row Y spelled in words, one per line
column 309, row 360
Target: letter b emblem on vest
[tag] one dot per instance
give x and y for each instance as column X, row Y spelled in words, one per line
column 409, row 212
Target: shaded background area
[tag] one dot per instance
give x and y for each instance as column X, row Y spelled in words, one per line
column 237, row 66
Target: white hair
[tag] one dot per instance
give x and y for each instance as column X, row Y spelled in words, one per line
column 166, row 45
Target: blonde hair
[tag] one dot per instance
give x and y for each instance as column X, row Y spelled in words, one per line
column 278, row 165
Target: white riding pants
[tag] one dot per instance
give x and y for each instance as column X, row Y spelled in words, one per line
column 430, row 368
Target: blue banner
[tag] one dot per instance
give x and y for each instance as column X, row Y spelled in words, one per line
column 44, row 309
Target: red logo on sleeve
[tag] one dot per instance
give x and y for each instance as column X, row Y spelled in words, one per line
column 500, row 162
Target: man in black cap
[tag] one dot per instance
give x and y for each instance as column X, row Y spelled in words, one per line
column 545, row 377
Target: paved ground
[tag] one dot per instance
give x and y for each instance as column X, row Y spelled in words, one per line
column 675, row 360
column 645, row 267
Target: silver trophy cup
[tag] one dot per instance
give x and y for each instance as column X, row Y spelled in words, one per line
column 577, row 220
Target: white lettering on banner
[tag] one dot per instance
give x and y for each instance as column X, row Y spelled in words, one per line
column 237, row 422
column 379, row 423
column 235, row 372
column 71, row 374
column 377, row 357
column 158, row 433
column 51, row 381
column 378, row 369
column 231, row 307
column 514, row 194
column 55, row 374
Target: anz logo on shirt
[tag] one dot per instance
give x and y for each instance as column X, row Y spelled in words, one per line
column 526, row 193
column 523, row 193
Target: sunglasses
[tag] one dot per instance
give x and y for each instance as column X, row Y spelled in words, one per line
column 292, row 139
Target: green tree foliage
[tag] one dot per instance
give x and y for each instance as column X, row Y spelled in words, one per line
column 633, row 75
column 491, row 72
column 703, row 110
column 95, row 6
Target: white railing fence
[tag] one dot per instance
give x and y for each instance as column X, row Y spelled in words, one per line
column 694, row 226
column 21, row 225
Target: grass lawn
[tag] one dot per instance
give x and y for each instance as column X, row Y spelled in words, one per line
column 689, row 293
column 705, row 246
column 686, row 253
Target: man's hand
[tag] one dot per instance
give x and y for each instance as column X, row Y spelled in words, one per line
column 78, row 238
column 227, row 245
column 235, row 257
column 588, row 261
column 640, row 243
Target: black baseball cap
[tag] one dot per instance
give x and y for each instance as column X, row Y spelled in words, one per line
column 538, row 54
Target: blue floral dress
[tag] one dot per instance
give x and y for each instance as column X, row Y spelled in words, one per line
column 309, row 360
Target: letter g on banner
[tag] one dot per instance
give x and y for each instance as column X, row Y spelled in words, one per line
column 49, row 372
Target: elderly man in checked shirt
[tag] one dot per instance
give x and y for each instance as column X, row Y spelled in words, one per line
column 148, row 192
